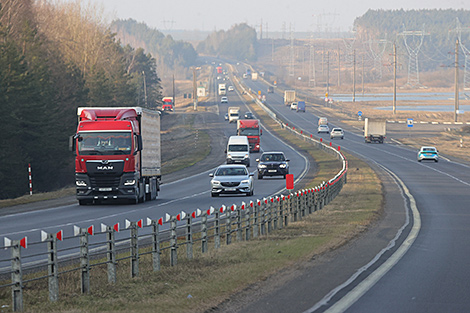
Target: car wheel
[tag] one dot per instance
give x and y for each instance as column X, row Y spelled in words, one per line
column 83, row 202
column 260, row 176
column 419, row 160
column 342, row 137
column 214, row 194
column 436, row 160
column 248, row 165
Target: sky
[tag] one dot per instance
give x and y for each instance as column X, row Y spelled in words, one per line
column 273, row 15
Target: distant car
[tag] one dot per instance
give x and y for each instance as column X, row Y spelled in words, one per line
column 272, row 164
column 230, row 88
column 226, row 116
column 428, row 153
column 249, row 116
column 293, row 106
column 224, row 100
column 232, row 179
column 337, row 133
column 323, row 129
column 270, row 89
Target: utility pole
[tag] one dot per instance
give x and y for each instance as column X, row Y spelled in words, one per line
column 456, row 103
column 194, row 89
column 328, row 73
column 174, row 95
column 394, row 78
column 354, row 76
column 362, row 76
column 145, row 89
column 339, row 66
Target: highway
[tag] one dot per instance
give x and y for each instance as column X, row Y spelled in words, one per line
column 186, row 194
column 432, row 274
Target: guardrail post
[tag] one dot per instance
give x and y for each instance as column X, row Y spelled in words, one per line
column 16, row 277
column 239, row 223
column 156, row 245
column 189, row 237
column 270, row 206
column 263, row 217
column 228, row 226
column 84, row 261
column 134, row 250
column 281, row 212
column 52, row 267
column 303, row 201
column 204, row 232
column 173, row 243
column 276, row 212
column 217, row 227
column 256, row 219
column 248, row 220
column 111, row 254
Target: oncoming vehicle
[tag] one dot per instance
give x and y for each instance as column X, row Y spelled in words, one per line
column 232, row 179
column 293, row 106
column 224, row 100
column 272, row 164
column 249, row 116
column 238, row 150
column 337, row 133
column 230, row 88
column 323, row 129
column 428, row 153
column 226, row 116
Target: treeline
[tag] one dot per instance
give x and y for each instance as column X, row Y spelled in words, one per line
column 168, row 52
column 439, row 26
column 238, row 43
column 54, row 58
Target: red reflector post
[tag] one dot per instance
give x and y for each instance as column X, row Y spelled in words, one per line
column 290, row 181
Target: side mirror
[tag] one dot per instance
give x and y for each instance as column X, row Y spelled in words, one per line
column 252, row 174
column 140, row 144
column 225, row 150
column 257, row 160
column 260, row 132
column 287, row 160
column 211, row 175
column 72, row 143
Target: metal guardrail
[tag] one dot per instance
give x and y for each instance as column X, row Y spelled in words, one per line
column 110, row 246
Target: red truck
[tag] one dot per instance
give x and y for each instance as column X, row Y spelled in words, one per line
column 118, row 154
column 251, row 129
column 219, row 69
column 167, row 104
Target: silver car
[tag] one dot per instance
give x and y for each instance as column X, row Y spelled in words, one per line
column 232, row 179
column 323, row 129
column 337, row 133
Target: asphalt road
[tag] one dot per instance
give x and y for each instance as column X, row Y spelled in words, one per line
column 433, row 273
column 185, row 194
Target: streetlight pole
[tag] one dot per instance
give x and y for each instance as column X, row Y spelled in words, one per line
column 354, row 76
column 456, row 103
column 145, row 89
column 394, row 79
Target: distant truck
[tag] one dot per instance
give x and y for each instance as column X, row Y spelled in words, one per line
column 233, row 114
column 322, row 121
column 254, row 76
column 118, row 154
column 301, row 106
column 222, row 89
column 374, row 130
column 167, row 104
column 251, row 129
column 289, row 97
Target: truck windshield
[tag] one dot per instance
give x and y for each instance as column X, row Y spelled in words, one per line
column 248, row 132
column 104, row 143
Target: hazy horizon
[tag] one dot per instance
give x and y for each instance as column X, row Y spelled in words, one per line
column 300, row 16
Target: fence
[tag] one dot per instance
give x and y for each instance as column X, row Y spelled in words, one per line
column 114, row 244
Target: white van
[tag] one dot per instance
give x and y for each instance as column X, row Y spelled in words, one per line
column 238, row 150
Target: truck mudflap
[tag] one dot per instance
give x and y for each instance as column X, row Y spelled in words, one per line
column 373, row 138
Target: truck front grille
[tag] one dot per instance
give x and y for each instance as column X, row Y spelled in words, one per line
column 105, row 181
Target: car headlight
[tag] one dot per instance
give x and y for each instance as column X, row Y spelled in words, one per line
column 246, row 181
column 262, row 166
column 80, row 183
column 283, row 165
column 215, row 182
column 129, row 182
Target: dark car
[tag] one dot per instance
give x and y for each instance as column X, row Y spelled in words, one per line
column 249, row 116
column 272, row 164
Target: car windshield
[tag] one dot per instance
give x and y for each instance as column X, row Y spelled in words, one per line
column 428, row 149
column 323, row 126
column 272, row 158
column 337, row 129
column 104, row 143
column 237, row 148
column 231, row 171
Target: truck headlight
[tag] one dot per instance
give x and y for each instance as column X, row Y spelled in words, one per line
column 129, row 182
column 80, row 183
column 246, row 156
column 229, row 156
